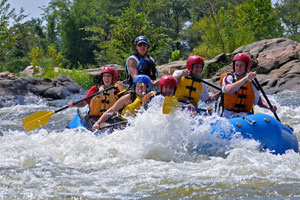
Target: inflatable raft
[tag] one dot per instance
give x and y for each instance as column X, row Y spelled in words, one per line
column 271, row 133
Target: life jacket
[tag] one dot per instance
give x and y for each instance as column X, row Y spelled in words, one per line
column 132, row 108
column 189, row 89
column 145, row 66
column 240, row 101
column 102, row 102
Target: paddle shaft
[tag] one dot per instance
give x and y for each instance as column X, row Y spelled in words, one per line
column 112, row 125
column 265, row 96
column 81, row 100
column 207, row 83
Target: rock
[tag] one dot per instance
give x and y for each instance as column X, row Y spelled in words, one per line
column 58, row 88
column 29, row 71
column 276, row 62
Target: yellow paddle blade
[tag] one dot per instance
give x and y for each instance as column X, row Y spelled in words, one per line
column 170, row 104
column 36, row 120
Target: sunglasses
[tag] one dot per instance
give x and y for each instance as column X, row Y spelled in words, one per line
column 142, row 44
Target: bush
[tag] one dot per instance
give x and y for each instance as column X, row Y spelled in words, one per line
column 15, row 65
column 81, row 77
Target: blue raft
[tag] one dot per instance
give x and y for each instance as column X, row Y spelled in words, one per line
column 271, row 134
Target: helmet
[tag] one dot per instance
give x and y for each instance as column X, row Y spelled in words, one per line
column 141, row 38
column 143, row 79
column 167, row 80
column 243, row 57
column 112, row 71
column 193, row 60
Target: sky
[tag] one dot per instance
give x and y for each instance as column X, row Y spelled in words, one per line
column 31, row 7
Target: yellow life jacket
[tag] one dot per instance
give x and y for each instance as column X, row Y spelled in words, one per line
column 240, row 101
column 102, row 102
column 131, row 109
column 189, row 89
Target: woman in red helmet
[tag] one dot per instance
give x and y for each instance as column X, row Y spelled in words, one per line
column 190, row 90
column 102, row 102
column 240, row 94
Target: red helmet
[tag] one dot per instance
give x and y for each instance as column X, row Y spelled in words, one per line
column 243, row 57
column 112, row 71
column 167, row 80
column 193, row 60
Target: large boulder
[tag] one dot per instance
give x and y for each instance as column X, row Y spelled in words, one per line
column 58, row 88
column 276, row 62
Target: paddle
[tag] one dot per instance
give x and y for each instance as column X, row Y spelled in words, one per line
column 265, row 96
column 171, row 103
column 207, row 83
column 41, row 118
column 113, row 125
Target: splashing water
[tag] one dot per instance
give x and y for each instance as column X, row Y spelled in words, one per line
column 152, row 158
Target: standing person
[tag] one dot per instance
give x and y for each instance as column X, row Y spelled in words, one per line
column 240, row 93
column 102, row 102
column 190, row 89
column 128, row 104
column 140, row 62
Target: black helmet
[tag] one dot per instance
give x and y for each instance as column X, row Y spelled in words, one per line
column 141, row 38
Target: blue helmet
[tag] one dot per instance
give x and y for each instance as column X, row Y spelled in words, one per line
column 141, row 38
column 143, row 79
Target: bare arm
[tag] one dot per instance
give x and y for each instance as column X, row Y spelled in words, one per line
column 213, row 97
column 233, row 87
column 112, row 110
column 263, row 104
column 132, row 67
column 180, row 75
column 79, row 105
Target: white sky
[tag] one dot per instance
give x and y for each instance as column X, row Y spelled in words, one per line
column 31, row 7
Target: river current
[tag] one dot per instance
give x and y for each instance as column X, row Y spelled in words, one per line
column 150, row 159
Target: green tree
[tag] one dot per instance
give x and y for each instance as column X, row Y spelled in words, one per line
column 6, row 39
column 123, row 32
column 289, row 12
column 261, row 18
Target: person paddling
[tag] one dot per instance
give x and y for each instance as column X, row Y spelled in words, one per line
column 140, row 62
column 190, row 89
column 128, row 104
column 240, row 93
column 102, row 102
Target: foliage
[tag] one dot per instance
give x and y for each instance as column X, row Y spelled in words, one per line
column 175, row 56
column 49, row 61
column 261, row 19
column 290, row 16
column 7, row 40
column 241, row 25
column 78, row 75
column 126, row 28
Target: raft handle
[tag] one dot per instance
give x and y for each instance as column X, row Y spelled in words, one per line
column 249, row 120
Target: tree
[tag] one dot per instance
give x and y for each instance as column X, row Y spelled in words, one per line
column 290, row 16
column 5, row 38
column 261, row 17
column 123, row 32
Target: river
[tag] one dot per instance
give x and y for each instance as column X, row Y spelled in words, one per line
column 148, row 160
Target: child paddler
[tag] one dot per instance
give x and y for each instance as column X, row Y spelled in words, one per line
column 190, row 89
column 102, row 102
column 240, row 93
column 128, row 104
column 167, row 87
